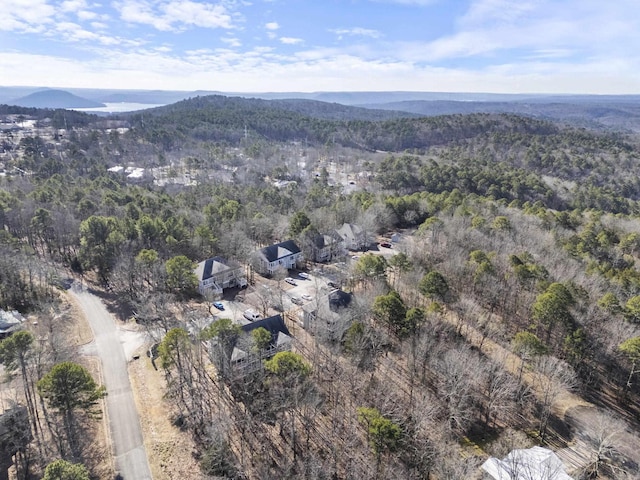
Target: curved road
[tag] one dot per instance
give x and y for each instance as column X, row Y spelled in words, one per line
column 124, row 423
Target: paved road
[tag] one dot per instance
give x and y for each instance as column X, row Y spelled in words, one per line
column 124, row 423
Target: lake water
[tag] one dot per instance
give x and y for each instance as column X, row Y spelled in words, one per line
column 119, row 107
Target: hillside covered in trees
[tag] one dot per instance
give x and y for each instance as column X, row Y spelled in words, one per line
column 506, row 317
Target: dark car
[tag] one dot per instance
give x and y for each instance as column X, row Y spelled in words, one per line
column 333, row 284
column 385, row 244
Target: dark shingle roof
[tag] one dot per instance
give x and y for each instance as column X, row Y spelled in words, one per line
column 338, row 299
column 280, row 250
column 212, row 266
column 274, row 325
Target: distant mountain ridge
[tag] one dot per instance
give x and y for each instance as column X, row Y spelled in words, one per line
column 55, row 99
column 601, row 112
column 621, row 113
column 231, row 105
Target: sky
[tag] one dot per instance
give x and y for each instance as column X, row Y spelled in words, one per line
column 494, row 46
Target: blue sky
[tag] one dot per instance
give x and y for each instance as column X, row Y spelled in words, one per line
column 501, row 46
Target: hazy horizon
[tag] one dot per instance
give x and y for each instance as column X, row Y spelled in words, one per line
column 464, row 46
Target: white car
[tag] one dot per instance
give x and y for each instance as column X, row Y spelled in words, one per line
column 290, row 281
column 306, row 296
column 304, row 276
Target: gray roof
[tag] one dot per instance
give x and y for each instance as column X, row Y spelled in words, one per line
column 320, row 241
column 10, row 321
column 279, row 250
column 214, row 265
column 536, row 463
column 349, row 231
column 274, row 325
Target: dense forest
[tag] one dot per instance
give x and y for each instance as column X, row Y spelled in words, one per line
column 507, row 317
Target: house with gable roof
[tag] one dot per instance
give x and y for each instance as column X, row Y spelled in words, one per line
column 324, row 314
column 217, row 273
column 323, row 247
column 274, row 257
column 536, row 463
column 9, row 322
column 353, row 236
column 245, row 357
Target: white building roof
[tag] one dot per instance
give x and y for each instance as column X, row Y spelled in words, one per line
column 535, row 463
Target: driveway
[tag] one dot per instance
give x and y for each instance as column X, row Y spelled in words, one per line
column 124, row 423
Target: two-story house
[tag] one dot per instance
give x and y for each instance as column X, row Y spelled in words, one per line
column 323, row 248
column 270, row 259
column 9, row 322
column 353, row 236
column 246, row 358
column 243, row 356
column 217, row 273
column 323, row 316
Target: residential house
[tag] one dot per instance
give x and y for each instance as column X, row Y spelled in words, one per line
column 323, row 248
column 9, row 322
column 396, row 237
column 535, row 463
column 353, row 236
column 270, row 259
column 217, row 273
column 245, row 357
column 324, row 314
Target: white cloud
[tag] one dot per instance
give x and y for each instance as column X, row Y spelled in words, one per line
column 231, row 41
column 418, row 3
column 72, row 32
column 483, row 11
column 174, row 14
column 198, row 14
column 357, row 31
column 291, row 40
column 25, row 15
column 311, row 70
column 496, row 45
column 87, row 15
column 141, row 12
column 492, row 28
column 73, row 5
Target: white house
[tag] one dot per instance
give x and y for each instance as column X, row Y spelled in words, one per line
column 274, row 257
column 353, row 236
column 217, row 273
column 323, row 316
column 535, row 463
column 245, row 358
column 9, row 322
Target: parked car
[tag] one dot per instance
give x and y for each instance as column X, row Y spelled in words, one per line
column 304, row 276
column 385, row 244
column 306, row 296
column 333, row 284
column 296, row 300
column 251, row 315
column 290, row 281
column 218, row 305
